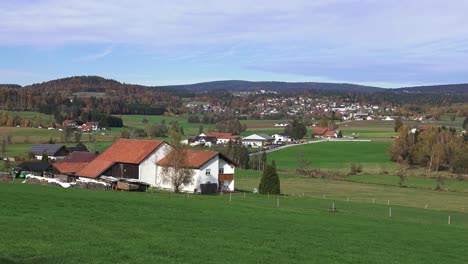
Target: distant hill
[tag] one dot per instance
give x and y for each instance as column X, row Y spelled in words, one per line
column 243, row 86
column 445, row 88
column 10, row 85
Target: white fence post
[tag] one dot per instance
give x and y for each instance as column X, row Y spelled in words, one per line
column 277, row 202
column 390, row 212
column 449, row 219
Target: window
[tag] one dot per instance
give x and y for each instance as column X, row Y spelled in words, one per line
column 221, row 170
column 208, row 172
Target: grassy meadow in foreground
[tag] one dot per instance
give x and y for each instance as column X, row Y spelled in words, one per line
column 54, row 225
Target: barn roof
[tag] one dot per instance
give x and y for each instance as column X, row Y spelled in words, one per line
column 49, row 149
column 196, row 158
column 132, row 151
column 34, row 166
column 319, row 131
column 221, row 135
column 74, row 162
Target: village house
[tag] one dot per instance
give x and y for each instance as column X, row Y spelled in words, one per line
column 53, row 151
column 324, row 132
column 257, row 140
column 279, row 139
column 212, row 172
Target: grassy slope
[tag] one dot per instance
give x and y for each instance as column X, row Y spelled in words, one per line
column 54, row 225
column 336, row 155
column 359, row 192
column 415, row 182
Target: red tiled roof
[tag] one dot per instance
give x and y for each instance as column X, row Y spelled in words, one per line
column 74, row 162
column 319, row 131
column 222, row 135
column 195, row 158
column 131, row 151
column 329, row 133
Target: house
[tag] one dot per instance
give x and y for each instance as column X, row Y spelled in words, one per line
column 212, row 138
column 69, row 123
column 36, row 168
column 330, row 133
column 203, row 141
column 325, row 132
column 128, row 158
column 279, row 139
column 212, row 172
column 53, row 151
column 74, row 162
column 257, row 140
column 318, row 132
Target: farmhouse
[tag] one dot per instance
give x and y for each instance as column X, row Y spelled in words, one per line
column 257, row 140
column 53, row 151
column 319, row 132
column 324, row 132
column 128, row 158
column 282, row 139
column 212, row 172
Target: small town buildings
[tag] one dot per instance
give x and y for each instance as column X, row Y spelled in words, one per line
column 53, row 151
column 257, row 140
column 213, row 138
column 212, row 172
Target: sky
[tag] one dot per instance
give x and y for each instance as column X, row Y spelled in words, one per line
column 385, row 43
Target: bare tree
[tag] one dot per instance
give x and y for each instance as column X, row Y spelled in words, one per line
column 177, row 171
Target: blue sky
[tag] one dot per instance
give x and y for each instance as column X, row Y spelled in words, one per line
column 373, row 42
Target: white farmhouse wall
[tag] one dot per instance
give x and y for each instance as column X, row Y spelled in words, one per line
column 148, row 167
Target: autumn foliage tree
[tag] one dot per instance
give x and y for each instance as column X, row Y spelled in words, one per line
column 177, row 171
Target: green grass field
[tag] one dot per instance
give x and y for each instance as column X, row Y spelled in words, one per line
column 335, row 155
column 30, row 115
column 414, row 182
column 340, row 190
column 42, row 224
column 136, row 121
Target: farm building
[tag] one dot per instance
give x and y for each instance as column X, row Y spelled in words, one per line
column 53, row 151
column 77, row 148
column 212, row 138
column 34, row 167
column 212, row 172
column 74, row 162
column 282, row 139
column 257, row 140
column 127, row 158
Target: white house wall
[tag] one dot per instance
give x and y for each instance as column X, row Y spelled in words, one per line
column 148, row 167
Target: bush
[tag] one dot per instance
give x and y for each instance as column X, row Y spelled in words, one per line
column 355, row 169
column 270, row 182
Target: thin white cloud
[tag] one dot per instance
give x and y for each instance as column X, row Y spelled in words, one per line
column 97, row 56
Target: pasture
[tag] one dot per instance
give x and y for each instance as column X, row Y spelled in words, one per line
column 412, row 182
column 340, row 190
column 335, row 155
column 53, row 225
